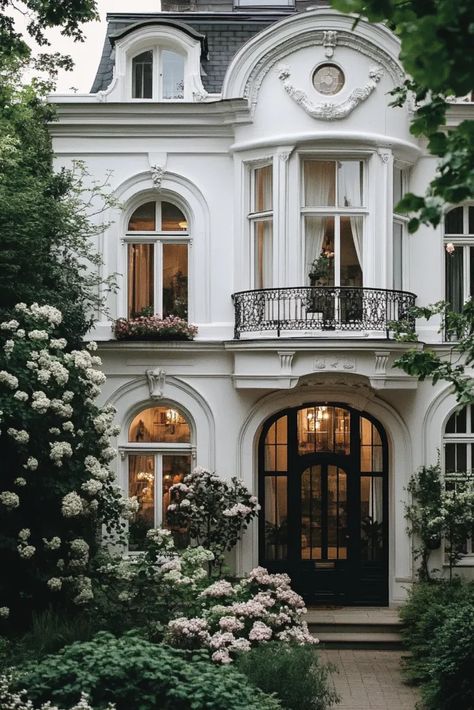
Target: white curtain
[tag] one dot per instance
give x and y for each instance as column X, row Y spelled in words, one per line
column 263, row 255
column 263, row 197
column 315, row 229
column 349, row 177
column 319, row 183
column 140, row 277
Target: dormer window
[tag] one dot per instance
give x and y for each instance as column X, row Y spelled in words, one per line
column 158, row 74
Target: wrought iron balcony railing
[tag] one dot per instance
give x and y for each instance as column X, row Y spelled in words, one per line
column 321, row 309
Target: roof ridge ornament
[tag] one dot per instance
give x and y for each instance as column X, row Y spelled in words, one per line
column 330, row 111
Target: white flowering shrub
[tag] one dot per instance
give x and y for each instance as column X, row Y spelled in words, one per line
column 56, row 489
column 17, row 700
column 214, row 512
column 235, row 617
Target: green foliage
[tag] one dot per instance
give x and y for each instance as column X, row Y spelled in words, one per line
column 436, row 51
column 294, row 673
column 134, row 673
column 46, row 229
column 438, row 632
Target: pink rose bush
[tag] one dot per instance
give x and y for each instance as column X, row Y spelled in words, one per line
column 234, row 618
column 154, row 328
column 215, row 512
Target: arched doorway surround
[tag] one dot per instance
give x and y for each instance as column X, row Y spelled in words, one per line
column 323, row 487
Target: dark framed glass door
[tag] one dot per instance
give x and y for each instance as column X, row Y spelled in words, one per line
column 323, row 488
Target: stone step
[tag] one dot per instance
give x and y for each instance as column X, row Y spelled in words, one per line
column 356, row 628
column 381, row 641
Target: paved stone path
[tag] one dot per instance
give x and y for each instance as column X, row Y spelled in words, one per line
column 370, row 680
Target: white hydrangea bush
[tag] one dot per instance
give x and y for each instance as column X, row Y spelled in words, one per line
column 13, row 700
column 235, row 617
column 56, row 488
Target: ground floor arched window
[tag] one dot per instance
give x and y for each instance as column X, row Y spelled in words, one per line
column 323, row 486
column 158, row 456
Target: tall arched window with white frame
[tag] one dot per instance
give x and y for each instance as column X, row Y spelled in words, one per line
column 261, row 225
column 333, row 209
column 157, row 243
column 458, row 448
column 158, row 456
column 459, row 248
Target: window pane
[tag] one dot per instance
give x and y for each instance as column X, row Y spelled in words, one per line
column 175, row 468
column 311, row 514
column 323, row 428
column 351, row 251
column 143, row 219
column 337, row 513
column 173, row 74
column 319, row 250
column 140, row 278
column 471, row 220
column 471, row 272
column 456, row 423
column 263, row 253
column 142, row 76
column 397, row 186
column 172, row 219
column 319, row 183
column 175, row 280
column 397, row 256
column 263, row 186
column 276, row 514
column 453, row 221
column 275, row 448
column 349, row 183
column 371, row 517
column 141, row 483
column 165, row 424
column 455, row 279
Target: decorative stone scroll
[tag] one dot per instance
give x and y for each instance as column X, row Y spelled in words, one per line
column 329, row 42
column 156, row 382
column 330, row 111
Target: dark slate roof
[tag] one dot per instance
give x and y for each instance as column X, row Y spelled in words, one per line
column 225, row 33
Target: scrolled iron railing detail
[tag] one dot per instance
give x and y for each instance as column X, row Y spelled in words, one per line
column 321, row 308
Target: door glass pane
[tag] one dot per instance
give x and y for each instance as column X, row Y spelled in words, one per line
column 175, row 280
column 173, row 74
column 164, row 424
column 175, row 468
column 455, row 279
column 143, row 219
column 371, row 450
column 323, row 428
column 453, row 221
column 349, row 183
column 351, row 252
column 263, row 253
column 141, row 483
column 142, row 76
column 371, row 518
column 337, row 514
column 140, row 279
column 172, row 219
column 276, row 447
column 397, row 256
column 311, row 514
column 319, row 250
column 263, row 187
column 276, row 515
column 319, row 183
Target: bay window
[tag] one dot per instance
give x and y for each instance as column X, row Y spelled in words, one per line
column 261, row 222
column 332, row 211
column 459, row 247
column 158, row 456
column 157, row 242
column 158, row 74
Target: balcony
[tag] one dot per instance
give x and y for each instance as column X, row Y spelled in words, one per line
column 314, row 311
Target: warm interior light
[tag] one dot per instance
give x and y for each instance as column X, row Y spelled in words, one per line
column 172, row 416
column 183, row 224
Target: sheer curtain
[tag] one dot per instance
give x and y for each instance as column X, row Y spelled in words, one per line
column 319, row 191
column 315, row 229
column 140, row 277
column 349, row 177
column 263, row 228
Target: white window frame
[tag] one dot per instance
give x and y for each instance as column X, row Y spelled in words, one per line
column 335, row 211
column 464, row 241
column 157, row 238
column 402, row 220
column 467, row 558
column 253, row 217
column 157, row 73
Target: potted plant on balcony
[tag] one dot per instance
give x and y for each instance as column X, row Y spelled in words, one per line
column 319, row 274
column 146, row 326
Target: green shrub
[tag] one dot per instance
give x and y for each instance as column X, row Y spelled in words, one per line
column 429, row 605
column 135, row 673
column 451, row 662
column 294, row 673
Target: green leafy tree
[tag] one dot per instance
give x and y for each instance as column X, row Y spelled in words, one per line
column 436, row 51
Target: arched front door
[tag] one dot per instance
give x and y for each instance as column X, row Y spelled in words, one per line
column 323, row 489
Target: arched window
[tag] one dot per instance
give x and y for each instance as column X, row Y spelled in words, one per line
column 458, row 446
column 157, row 241
column 158, row 74
column 159, row 455
column 459, row 246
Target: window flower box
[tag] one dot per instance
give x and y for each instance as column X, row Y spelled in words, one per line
column 154, row 328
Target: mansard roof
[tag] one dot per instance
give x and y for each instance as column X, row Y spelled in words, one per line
column 220, row 32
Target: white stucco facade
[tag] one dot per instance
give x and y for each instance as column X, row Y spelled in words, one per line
column 198, row 154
